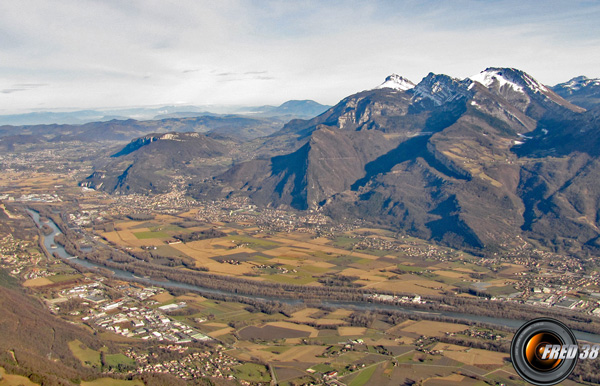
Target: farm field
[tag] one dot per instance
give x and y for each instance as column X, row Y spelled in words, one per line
column 252, row 372
column 14, row 380
column 37, row 282
column 87, row 356
column 307, row 343
column 471, row 356
column 299, row 348
column 298, row 258
column 304, row 343
column 430, row 328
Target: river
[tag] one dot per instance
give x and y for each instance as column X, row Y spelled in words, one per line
column 52, row 247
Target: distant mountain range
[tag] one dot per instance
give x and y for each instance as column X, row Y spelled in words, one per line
column 581, row 91
column 289, row 109
column 293, row 108
column 478, row 163
column 238, row 127
column 80, row 117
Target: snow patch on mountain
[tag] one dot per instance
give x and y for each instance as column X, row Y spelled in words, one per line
column 487, row 78
column 396, row 82
column 579, row 82
column 582, row 81
column 441, row 89
column 516, row 79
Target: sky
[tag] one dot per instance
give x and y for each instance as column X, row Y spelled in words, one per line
column 80, row 54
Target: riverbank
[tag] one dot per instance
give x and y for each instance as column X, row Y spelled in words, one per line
column 356, row 305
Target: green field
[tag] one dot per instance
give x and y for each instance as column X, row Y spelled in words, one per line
column 322, row 255
column 148, row 225
column 112, row 382
column 344, row 241
column 277, row 349
column 503, row 290
column 313, row 269
column 86, row 355
column 410, row 268
column 253, row 242
column 6, row 280
column 252, row 372
column 62, row 278
column 363, row 377
column 151, row 235
column 445, row 279
column 344, row 261
column 248, row 317
column 293, row 278
column 113, row 360
column 218, row 308
column 14, row 380
column 168, row 251
column 164, row 228
column 375, row 252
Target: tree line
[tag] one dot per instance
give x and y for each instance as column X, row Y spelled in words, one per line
column 211, row 233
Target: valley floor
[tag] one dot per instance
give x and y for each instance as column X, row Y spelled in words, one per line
column 146, row 329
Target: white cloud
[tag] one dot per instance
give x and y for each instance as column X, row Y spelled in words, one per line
column 115, row 53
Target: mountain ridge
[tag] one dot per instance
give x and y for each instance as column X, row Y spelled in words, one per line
column 581, row 91
column 295, row 108
column 142, row 166
column 448, row 170
column 465, row 162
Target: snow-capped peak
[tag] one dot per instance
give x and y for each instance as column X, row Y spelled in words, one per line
column 441, row 88
column 487, row 78
column 396, row 82
column 508, row 76
column 579, row 82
